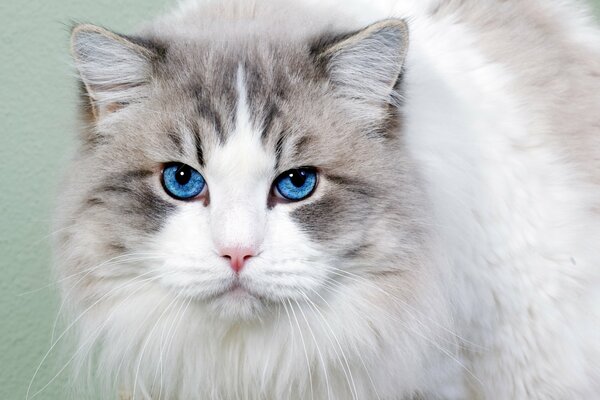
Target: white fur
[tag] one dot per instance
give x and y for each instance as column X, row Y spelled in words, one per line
column 515, row 225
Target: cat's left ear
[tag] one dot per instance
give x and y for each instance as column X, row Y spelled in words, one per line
column 367, row 64
column 115, row 70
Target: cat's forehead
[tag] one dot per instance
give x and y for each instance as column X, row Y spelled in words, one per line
column 209, row 94
column 242, row 149
column 209, row 74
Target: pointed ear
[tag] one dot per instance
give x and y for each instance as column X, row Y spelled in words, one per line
column 367, row 64
column 114, row 70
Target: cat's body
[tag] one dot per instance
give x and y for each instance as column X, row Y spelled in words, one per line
column 450, row 249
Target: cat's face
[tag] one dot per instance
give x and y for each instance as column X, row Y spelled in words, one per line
column 241, row 175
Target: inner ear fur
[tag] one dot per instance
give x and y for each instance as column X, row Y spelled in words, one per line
column 114, row 69
column 365, row 64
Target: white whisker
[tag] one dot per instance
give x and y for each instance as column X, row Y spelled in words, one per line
column 345, row 364
column 317, row 347
column 67, row 329
column 312, row 393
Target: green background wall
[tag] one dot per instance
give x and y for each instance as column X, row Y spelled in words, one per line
column 37, row 97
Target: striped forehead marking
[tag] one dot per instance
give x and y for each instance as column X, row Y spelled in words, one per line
column 243, row 151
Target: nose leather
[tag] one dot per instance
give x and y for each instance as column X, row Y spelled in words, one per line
column 237, row 256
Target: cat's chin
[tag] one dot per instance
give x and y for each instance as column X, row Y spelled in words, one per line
column 237, row 304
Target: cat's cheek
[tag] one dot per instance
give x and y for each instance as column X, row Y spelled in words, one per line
column 291, row 265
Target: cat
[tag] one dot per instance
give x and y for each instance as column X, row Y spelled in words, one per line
column 385, row 200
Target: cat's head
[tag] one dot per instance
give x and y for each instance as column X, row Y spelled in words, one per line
column 239, row 169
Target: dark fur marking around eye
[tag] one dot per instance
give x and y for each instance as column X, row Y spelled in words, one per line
column 135, row 200
column 325, row 219
column 175, row 139
column 199, row 152
column 141, row 208
column 320, row 218
column 279, row 149
column 354, row 185
column 197, row 137
column 150, row 210
column 135, row 174
column 113, row 188
column 123, row 182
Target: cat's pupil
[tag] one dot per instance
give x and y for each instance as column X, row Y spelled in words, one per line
column 297, row 178
column 183, row 175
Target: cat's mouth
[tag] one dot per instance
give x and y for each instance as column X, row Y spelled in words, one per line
column 238, row 289
column 237, row 302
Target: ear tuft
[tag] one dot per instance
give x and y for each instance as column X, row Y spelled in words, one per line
column 113, row 69
column 367, row 64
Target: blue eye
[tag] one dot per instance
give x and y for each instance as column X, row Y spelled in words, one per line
column 296, row 184
column 182, row 181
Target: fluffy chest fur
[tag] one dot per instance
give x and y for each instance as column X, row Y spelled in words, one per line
column 448, row 248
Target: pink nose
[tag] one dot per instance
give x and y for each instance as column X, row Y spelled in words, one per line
column 237, row 256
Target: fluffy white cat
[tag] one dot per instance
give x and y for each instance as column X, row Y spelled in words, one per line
column 352, row 200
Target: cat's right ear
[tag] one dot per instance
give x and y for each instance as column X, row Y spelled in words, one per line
column 365, row 65
column 114, row 69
